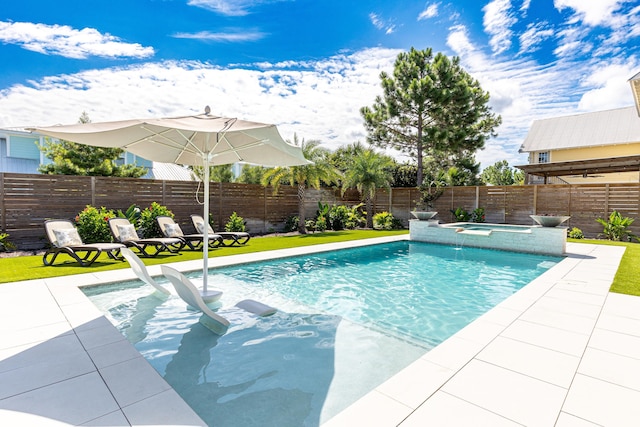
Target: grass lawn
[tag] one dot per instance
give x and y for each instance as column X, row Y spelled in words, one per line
column 627, row 279
column 31, row 267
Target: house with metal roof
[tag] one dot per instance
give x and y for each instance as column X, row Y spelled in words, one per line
column 598, row 147
column 19, row 153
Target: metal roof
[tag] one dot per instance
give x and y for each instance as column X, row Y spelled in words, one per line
column 619, row 126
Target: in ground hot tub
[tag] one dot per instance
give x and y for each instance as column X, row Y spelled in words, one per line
column 518, row 238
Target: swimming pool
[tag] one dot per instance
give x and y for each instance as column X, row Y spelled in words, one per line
column 347, row 321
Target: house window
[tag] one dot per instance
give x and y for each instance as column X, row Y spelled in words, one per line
column 543, row 157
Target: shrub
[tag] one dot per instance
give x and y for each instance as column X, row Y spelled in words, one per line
column 386, row 221
column 93, row 225
column 235, row 223
column 5, row 244
column 291, row 224
column 310, row 225
column 460, row 215
column 321, row 224
column 338, row 217
column 477, row 215
column 356, row 217
column 147, row 224
column 575, row 233
column 616, row 227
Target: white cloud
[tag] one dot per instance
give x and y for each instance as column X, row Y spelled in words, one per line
column 525, row 5
column 311, row 103
column 430, row 11
column 381, row 24
column 498, row 19
column 69, row 42
column 522, row 91
column 230, row 36
column 535, row 34
column 606, row 85
column 593, row 12
column 230, row 7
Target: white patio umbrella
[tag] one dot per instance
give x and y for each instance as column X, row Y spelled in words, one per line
column 201, row 140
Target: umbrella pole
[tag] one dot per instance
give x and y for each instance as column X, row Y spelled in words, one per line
column 205, row 231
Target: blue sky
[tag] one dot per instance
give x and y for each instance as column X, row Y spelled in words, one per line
column 308, row 65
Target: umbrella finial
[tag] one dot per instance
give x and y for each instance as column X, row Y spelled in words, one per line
column 207, row 110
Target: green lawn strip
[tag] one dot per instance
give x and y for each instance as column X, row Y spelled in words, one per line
column 31, row 267
column 627, row 278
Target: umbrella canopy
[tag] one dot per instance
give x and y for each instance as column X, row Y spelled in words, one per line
column 201, row 140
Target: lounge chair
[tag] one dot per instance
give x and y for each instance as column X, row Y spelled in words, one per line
column 228, row 238
column 214, row 322
column 64, row 239
column 124, row 232
column 140, row 270
column 170, row 228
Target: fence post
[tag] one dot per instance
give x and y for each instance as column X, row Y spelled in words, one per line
column 93, row 191
column 477, row 197
column 535, row 200
column 164, row 193
column 606, row 201
column 3, row 214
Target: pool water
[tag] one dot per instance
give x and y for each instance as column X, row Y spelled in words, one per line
column 347, row 321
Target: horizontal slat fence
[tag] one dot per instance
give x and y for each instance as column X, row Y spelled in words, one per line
column 27, row 200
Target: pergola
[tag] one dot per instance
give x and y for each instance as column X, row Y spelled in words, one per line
column 584, row 167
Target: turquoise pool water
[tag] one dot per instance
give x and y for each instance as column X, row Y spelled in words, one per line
column 347, row 321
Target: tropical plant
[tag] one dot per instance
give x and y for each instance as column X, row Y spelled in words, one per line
column 575, row 233
column 368, row 172
column 70, row 158
column 235, row 224
column 5, row 244
column 338, row 217
column 431, row 107
column 320, row 224
column 312, row 175
column 386, row 221
column 132, row 214
column 291, row 224
column 460, row 215
column 147, row 224
column 616, row 227
column 93, row 224
column 477, row 215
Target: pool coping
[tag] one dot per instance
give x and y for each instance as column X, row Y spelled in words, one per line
column 61, row 361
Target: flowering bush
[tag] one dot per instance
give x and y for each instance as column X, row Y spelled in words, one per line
column 147, row 225
column 477, row 215
column 93, row 226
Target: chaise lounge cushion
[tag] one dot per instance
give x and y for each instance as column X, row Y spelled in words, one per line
column 200, row 227
column 67, row 237
column 127, row 233
column 173, row 230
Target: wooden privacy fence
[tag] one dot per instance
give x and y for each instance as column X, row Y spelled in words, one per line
column 27, row 200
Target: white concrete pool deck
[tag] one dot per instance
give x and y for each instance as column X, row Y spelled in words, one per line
column 562, row 351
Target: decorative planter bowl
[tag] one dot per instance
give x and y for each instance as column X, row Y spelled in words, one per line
column 423, row 215
column 549, row 220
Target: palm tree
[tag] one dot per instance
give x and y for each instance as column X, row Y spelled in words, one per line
column 368, row 172
column 304, row 176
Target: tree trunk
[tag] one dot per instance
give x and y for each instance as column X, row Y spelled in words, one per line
column 419, row 152
column 368, row 203
column 302, row 228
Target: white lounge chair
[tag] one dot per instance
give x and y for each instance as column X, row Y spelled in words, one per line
column 214, row 322
column 140, row 270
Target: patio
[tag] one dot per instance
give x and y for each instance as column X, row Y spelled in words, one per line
column 562, row 351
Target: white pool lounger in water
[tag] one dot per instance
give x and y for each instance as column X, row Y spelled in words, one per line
column 214, row 322
column 140, row 270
